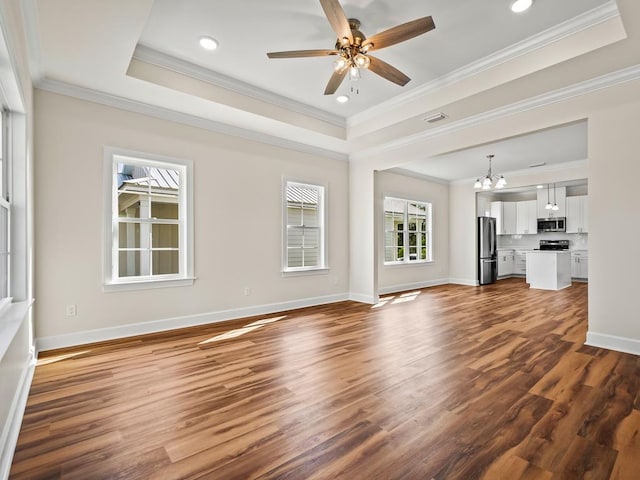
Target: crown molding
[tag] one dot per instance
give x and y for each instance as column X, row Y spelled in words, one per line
column 82, row 93
column 554, row 34
column 608, row 80
column 148, row 55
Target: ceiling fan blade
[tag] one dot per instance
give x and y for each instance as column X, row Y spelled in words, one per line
column 301, row 53
column 400, row 33
column 337, row 19
column 335, row 81
column 387, row 71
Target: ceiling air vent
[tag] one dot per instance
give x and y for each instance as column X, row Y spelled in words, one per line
column 436, row 117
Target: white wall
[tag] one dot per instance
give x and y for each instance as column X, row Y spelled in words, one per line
column 392, row 278
column 238, row 230
column 16, row 342
column 614, row 227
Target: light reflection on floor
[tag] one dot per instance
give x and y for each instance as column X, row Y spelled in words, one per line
column 237, row 332
column 405, row 297
column 59, row 358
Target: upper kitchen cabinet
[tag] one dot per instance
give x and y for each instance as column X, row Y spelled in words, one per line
column 527, row 218
column 553, row 195
column 505, row 215
column 577, row 209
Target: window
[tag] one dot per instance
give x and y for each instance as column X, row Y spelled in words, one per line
column 149, row 220
column 304, row 245
column 5, row 210
column 407, row 231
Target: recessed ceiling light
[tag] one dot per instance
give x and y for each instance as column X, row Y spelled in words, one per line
column 208, row 43
column 519, row 6
column 342, row 99
column 539, row 164
column 539, row 186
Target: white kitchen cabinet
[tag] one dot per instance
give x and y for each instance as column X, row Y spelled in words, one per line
column 526, row 217
column 483, row 206
column 505, row 215
column 560, row 199
column 505, row 262
column 580, row 264
column 520, row 262
column 577, row 214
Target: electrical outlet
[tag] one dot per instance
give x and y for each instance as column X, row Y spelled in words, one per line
column 247, row 291
column 72, row 310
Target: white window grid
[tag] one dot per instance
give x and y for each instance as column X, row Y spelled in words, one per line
column 113, row 280
column 407, row 231
column 304, row 240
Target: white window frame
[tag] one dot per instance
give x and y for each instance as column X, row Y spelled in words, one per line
column 429, row 232
column 185, row 276
column 5, row 204
column 322, row 266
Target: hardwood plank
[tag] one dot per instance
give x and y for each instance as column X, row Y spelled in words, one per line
column 437, row 383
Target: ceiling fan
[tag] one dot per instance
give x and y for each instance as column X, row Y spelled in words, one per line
column 352, row 47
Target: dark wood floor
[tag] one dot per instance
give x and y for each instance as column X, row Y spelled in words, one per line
column 448, row 382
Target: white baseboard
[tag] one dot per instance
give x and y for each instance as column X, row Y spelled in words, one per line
column 11, row 429
column 464, row 281
column 359, row 297
column 155, row 326
column 412, row 286
column 612, row 342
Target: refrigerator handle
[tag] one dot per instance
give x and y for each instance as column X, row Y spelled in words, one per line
column 493, row 240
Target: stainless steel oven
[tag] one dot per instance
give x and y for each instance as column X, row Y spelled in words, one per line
column 554, row 245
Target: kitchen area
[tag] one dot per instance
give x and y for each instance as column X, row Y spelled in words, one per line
column 541, row 234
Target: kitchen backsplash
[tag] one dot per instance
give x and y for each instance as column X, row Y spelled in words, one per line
column 576, row 240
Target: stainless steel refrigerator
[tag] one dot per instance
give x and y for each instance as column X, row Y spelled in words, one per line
column 487, row 254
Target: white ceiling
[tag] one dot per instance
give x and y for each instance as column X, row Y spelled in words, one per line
column 143, row 55
column 466, row 30
column 566, row 143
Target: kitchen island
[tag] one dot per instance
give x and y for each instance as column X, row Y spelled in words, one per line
column 549, row 270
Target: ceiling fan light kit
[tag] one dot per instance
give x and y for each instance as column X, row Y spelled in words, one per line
column 352, row 47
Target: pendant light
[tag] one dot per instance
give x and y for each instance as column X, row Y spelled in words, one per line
column 548, row 206
column 555, row 204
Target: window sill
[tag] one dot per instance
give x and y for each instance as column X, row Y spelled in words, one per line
column 11, row 318
column 147, row 284
column 407, row 264
column 302, row 273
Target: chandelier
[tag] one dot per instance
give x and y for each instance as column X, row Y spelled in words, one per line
column 486, row 182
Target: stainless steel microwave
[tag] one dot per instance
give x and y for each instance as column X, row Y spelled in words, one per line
column 557, row 224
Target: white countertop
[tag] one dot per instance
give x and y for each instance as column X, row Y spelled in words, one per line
column 536, row 249
column 549, row 251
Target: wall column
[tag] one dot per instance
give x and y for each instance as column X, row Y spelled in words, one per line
column 363, row 269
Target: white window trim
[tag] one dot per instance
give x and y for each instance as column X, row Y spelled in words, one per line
column 323, row 268
column 407, row 261
column 186, row 275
